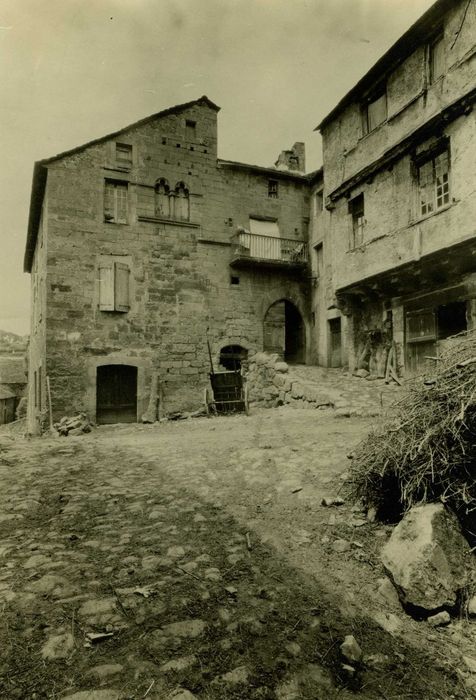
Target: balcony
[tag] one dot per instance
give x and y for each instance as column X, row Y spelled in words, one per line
column 255, row 250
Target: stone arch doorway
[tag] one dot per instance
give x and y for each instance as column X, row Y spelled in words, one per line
column 232, row 357
column 116, row 394
column 284, row 332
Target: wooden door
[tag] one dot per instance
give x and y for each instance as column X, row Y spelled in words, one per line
column 116, row 392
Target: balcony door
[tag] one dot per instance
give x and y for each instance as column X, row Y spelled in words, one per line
column 265, row 243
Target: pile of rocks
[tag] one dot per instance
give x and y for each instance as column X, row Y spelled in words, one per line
column 73, row 425
column 269, row 384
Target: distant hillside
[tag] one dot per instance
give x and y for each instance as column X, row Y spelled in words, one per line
column 12, row 344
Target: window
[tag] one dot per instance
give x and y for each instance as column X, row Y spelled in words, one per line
column 115, row 202
column 265, row 240
column 124, row 155
column 374, row 113
column 273, row 189
column 234, row 280
column 319, row 201
column 113, row 285
column 434, row 183
column 190, row 128
column 319, row 258
column 162, row 198
column 436, row 59
column 181, row 202
column 356, row 209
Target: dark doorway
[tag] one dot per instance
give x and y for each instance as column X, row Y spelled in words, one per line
column 451, row 319
column 232, row 356
column 335, row 343
column 284, row 332
column 293, row 334
column 116, row 391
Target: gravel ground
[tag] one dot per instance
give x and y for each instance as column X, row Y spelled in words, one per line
column 195, row 560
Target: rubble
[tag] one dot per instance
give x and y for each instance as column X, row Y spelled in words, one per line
column 350, row 649
column 427, row 558
column 74, row 425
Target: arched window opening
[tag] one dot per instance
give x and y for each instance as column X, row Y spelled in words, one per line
column 182, row 202
column 233, row 356
column 162, row 199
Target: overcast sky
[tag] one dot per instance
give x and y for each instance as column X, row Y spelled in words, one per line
column 74, row 70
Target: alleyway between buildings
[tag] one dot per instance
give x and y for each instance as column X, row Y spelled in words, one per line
column 195, row 560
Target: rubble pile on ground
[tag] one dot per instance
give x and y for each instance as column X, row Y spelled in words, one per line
column 426, row 451
column 270, row 385
column 73, row 425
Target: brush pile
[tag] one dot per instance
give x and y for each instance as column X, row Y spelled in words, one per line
column 427, row 450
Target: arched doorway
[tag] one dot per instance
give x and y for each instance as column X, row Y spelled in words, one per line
column 116, row 394
column 284, row 332
column 232, row 356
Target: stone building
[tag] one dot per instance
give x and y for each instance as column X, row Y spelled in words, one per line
column 399, row 153
column 143, row 248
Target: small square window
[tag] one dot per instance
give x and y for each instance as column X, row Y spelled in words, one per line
column 234, row 280
column 191, row 128
column 356, row 209
column 273, row 189
column 124, row 155
column 437, row 59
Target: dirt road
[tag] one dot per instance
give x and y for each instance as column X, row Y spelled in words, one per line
column 195, row 560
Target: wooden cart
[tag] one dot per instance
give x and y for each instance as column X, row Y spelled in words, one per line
column 228, row 393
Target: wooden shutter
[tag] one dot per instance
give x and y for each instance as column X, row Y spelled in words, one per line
column 106, row 286
column 121, row 287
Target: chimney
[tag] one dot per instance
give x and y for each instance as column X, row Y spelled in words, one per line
column 294, row 159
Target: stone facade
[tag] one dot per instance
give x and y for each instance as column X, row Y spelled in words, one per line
column 131, row 265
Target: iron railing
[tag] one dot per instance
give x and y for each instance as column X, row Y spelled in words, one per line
column 268, row 248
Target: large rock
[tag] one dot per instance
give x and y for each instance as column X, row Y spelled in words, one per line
column 427, row 557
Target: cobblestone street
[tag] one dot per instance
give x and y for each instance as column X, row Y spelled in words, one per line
column 194, row 560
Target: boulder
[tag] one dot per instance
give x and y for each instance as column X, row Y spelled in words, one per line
column 427, row 557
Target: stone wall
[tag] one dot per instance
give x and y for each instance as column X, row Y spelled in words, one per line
column 270, row 385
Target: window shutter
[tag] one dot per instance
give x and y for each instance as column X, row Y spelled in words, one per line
column 122, row 287
column 106, row 286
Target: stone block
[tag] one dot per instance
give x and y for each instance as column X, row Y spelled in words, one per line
column 427, row 558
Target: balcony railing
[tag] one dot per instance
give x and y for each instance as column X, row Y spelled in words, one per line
column 254, row 249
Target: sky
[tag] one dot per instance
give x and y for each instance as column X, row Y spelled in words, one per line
column 74, row 70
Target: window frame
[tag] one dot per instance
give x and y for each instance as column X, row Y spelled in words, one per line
column 356, row 208
column 273, row 189
column 437, row 41
column 124, row 164
column 117, row 186
column 373, row 100
column 433, row 187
